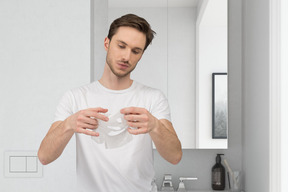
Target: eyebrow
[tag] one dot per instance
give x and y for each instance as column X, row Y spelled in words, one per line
column 138, row 48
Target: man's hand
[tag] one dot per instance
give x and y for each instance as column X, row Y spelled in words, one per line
column 86, row 120
column 61, row 132
column 161, row 131
column 139, row 118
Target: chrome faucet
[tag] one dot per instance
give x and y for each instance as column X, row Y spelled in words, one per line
column 181, row 187
column 167, row 183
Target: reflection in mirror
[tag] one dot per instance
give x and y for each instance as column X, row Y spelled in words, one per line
column 219, row 106
column 169, row 64
column 212, row 47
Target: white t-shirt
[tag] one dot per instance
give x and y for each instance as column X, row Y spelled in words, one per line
column 127, row 168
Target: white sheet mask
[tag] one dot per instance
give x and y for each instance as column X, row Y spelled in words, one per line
column 114, row 132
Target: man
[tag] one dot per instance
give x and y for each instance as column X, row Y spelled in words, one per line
column 128, row 167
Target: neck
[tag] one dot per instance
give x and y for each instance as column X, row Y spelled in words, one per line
column 111, row 81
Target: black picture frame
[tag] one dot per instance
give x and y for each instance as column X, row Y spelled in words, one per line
column 219, row 106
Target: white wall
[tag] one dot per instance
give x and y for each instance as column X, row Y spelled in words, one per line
column 256, row 95
column 99, row 17
column 45, row 50
column 182, row 72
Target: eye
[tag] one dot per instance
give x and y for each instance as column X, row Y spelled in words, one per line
column 121, row 46
column 136, row 52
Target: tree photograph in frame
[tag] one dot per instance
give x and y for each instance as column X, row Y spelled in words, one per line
column 219, row 106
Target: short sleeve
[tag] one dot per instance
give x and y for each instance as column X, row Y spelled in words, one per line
column 64, row 108
column 160, row 106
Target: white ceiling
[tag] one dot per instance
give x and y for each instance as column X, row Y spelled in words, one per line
column 153, row 3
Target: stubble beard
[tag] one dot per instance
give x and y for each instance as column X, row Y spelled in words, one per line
column 117, row 74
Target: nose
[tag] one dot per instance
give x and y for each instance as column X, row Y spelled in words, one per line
column 126, row 55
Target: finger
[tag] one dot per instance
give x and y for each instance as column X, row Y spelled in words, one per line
column 87, row 132
column 87, row 120
column 138, row 131
column 132, row 110
column 87, row 126
column 99, row 110
column 91, row 121
column 136, row 118
column 137, row 124
column 101, row 117
column 95, row 114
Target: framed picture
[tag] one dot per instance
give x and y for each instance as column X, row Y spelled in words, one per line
column 219, row 106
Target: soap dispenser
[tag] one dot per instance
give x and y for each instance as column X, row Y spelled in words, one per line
column 218, row 174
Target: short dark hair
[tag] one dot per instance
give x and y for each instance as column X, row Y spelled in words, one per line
column 134, row 21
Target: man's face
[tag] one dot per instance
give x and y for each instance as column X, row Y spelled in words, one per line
column 124, row 50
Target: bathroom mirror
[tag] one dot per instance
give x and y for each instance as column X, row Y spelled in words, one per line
column 187, row 49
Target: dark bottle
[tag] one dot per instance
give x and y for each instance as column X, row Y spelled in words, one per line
column 218, row 174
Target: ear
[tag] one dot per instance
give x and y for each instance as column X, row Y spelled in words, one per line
column 106, row 43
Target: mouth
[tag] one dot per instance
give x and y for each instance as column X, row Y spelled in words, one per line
column 123, row 65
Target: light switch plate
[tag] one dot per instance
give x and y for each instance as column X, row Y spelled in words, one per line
column 22, row 164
